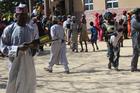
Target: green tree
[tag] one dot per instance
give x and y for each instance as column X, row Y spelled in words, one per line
column 9, row 5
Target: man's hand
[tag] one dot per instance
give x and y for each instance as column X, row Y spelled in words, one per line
column 34, row 44
column 23, row 47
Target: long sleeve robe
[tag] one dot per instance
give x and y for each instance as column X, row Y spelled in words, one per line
column 58, row 49
column 135, row 26
column 22, row 75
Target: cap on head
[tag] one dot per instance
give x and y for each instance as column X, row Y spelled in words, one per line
column 83, row 15
column 69, row 16
column 73, row 18
column 21, row 8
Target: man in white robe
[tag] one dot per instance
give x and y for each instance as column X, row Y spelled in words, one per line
column 22, row 75
column 67, row 28
column 33, row 24
column 58, row 47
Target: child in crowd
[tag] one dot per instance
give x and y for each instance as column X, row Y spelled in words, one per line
column 94, row 35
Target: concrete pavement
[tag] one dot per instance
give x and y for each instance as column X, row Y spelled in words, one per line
column 89, row 73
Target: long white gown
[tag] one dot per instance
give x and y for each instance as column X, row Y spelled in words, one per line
column 22, row 75
column 58, row 48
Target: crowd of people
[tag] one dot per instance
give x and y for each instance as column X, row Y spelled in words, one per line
column 22, row 38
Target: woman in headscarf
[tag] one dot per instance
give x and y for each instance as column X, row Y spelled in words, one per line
column 83, row 33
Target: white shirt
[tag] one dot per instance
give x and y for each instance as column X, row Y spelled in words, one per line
column 68, row 21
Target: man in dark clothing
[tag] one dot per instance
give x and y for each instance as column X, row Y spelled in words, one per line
column 2, row 26
column 135, row 26
column 110, row 38
column 41, row 30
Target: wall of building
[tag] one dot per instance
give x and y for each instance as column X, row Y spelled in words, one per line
column 99, row 4
column 67, row 6
column 129, row 3
column 53, row 4
column 78, row 6
column 100, row 7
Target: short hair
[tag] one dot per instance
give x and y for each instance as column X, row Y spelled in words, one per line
column 91, row 23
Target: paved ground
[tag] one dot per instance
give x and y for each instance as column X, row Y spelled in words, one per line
column 89, row 73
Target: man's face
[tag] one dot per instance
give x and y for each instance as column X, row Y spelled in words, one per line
column 22, row 19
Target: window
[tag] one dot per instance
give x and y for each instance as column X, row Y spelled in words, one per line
column 88, row 4
column 112, row 4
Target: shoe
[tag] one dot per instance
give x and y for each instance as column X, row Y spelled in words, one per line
column 67, row 72
column 109, row 66
column 107, row 54
column 86, row 50
column 82, row 50
column 49, row 70
column 76, row 51
column 134, row 70
column 72, row 50
column 68, row 43
column 116, row 68
column 97, row 48
column 121, row 45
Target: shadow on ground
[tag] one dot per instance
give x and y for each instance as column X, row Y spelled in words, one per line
column 126, row 56
column 3, row 86
column 45, row 52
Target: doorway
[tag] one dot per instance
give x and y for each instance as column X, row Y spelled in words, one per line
column 60, row 7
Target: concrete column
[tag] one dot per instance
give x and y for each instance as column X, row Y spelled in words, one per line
column 46, row 7
column 71, row 7
column 67, row 6
column 30, row 7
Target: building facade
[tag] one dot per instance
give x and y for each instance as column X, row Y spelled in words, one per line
column 68, row 6
column 101, row 6
column 90, row 7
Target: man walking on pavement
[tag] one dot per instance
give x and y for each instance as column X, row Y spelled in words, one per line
column 58, row 47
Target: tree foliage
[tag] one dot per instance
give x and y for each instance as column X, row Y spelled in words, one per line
column 9, row 5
